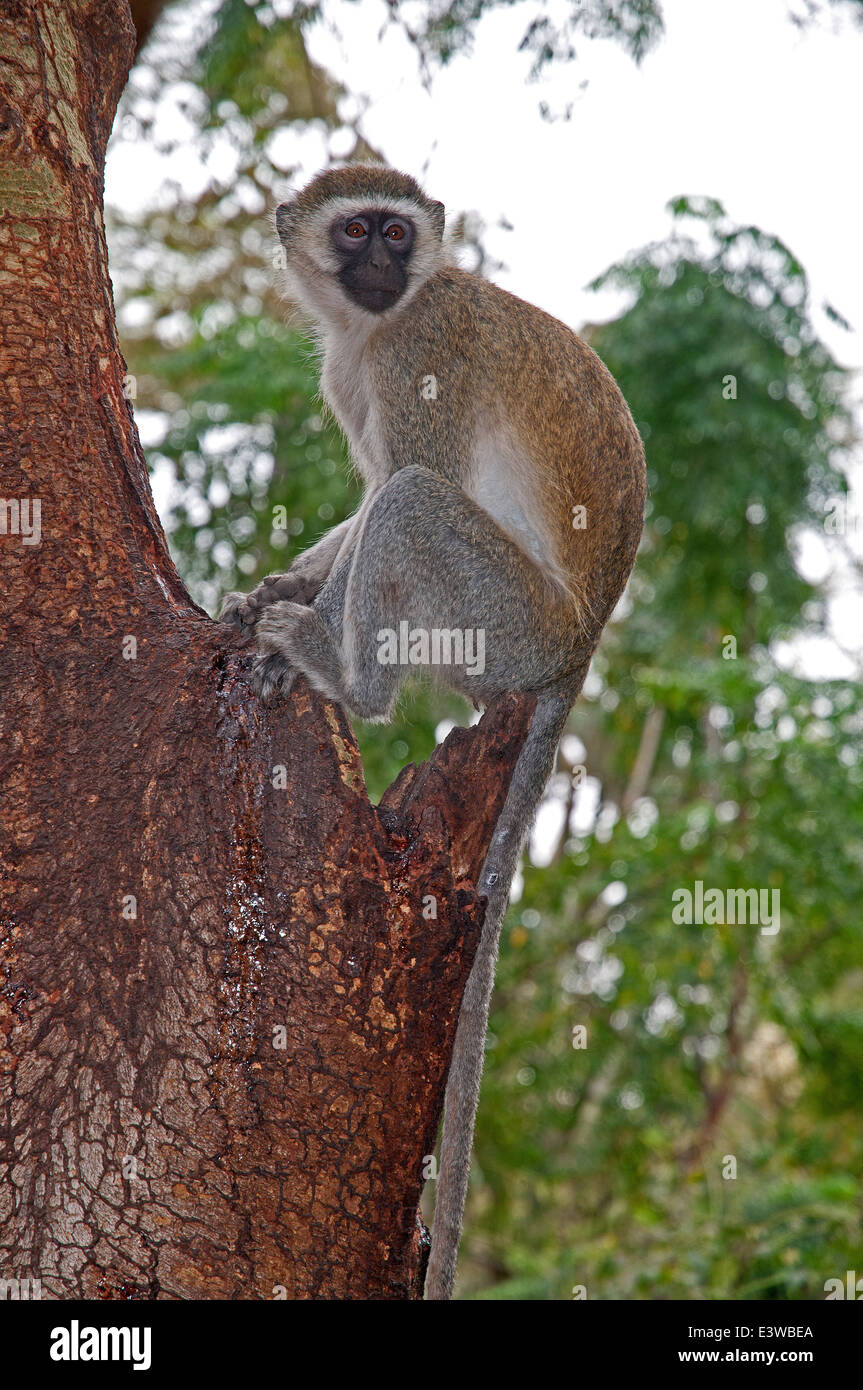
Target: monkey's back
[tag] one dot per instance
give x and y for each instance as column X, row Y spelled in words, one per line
column 555, row 434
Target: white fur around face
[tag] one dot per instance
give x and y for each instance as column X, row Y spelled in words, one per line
column 312, row 264
column 342, row 327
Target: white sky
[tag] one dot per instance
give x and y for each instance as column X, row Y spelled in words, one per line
column 735, row 102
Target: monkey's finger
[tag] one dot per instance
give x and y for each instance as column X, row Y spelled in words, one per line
column 272, row 675
column 235, row 609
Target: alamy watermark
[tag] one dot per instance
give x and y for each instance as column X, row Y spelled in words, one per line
column 841, row 519
column 77, row 1343
column 437, row 646
column 21, row 517
column 711, row 907
column 20, row 1290
column 849, row 1287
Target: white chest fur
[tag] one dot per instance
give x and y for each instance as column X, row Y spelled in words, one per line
column 500, row 481
column 347, row 389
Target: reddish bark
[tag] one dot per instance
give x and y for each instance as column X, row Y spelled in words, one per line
column 156, row 1140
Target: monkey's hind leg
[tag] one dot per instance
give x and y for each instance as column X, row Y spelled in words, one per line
column 429, row 565
column 295, row 638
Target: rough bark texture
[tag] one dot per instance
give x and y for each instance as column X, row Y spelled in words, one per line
column 224, row 1019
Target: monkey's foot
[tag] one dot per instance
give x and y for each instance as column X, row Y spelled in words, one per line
column 277, row 628
column 297, row 635
column 244, row 609
column 272, row 675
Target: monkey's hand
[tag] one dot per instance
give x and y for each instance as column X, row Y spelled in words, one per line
column 244, row 610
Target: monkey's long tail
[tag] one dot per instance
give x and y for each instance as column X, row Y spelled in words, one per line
column 532, row 771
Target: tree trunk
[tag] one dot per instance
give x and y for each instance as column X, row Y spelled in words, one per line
column 228, row 983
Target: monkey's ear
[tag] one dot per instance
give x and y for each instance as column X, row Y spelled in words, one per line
column 285, row 215
column 438, row 218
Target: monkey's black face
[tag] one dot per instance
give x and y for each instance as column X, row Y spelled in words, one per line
column 374, row 248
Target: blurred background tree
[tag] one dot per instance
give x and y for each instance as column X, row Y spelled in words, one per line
column 631, row 1059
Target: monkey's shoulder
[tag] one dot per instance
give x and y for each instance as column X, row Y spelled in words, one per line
column 456, row 314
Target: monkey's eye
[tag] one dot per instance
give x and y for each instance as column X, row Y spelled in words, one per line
column 355, row 230
column 395, row 231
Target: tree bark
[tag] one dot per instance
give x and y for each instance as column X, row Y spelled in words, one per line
column 228, row 983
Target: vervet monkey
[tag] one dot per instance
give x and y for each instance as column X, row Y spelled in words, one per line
column 505, row 487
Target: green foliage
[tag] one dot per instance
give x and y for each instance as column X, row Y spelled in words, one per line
column 256, row 468
column 603, row 1166
column 254, row 63
column 741, row 428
